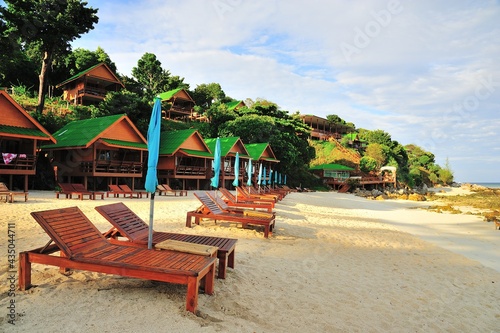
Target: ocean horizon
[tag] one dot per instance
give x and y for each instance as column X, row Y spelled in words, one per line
column 485, row 184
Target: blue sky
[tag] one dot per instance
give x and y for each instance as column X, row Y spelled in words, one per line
column 427, row 72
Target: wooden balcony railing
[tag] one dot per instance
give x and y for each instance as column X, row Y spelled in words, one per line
column 92, row 91
column 191, row 170
column 133, row 167
column 20, row 162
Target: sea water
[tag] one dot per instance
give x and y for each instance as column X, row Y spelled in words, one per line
column 490, row 185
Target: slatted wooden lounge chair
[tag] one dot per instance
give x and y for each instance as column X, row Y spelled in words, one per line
column 231, row 200
column 210, row 210
column 165, row 188
column 265, row 191
column 247, row 212
column 83, row 247
column 244, row 194
column 9, row 195
column 69, row 191
column 275, row 190
column 81, row 189
column 127, row 224
column 127, row 189
column 115, row 190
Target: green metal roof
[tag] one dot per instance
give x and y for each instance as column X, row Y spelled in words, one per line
column 172, row 140
column 77, row 75
column 126, row 144
column 225, row 144
column 197, row 153
column 82, row 132
column 22, row 131
column 232, row 105
column 332, row 166
column 255, row 150
column 165, row 96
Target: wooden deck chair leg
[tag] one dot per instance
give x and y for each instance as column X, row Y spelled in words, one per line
column 209, row 280
column 221, row 273
column 63, row 270
column 24, row 271
column 188, row 220
column 230, row 259
column 192, row 294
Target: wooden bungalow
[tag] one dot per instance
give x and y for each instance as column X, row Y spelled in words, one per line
column 185, row 160
column 355, row 142
column 100, row 150
column 332, row 174
column 235, row 105
column 20, row 137
column 321, row 129
column 229, row 147
column 261, row 153
column 179, row 105
column 90, row 86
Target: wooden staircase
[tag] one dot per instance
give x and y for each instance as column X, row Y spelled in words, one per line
column 355, row 156
column 344, row 188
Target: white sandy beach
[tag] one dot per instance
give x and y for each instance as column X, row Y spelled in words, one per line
column 335, row 263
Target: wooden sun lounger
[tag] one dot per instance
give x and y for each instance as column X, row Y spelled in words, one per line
column 165, row 188
column 231, row 200
column 81, row 189
column 126, row 188
column 265, row 192
column 83, row 247
column 116, row 190
column 210, row 210
column 127, row 224
column 9, row 195
column 243, row 193
column 69, row 191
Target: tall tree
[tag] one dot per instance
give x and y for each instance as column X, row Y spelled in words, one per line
column 205, row 94
column 51, row 25
column 153, row 78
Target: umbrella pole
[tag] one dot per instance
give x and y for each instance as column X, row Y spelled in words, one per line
column 151, row 213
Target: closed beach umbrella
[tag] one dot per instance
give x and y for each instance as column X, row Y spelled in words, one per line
column 153, row 152
column 275, row 178
column 259, row 178
column 284, row 181
column 214, row 181
column 279, row 179
column 270, row 176
column 236, row 181
column 264, row 176
column 249, row 172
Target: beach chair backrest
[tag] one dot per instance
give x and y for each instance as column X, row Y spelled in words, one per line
column 125, row 188
column 208, row 203
column 115, row 188
column 66, row 187
column 228, row 195
column 243, row 191
column 79, row 187
column 70, row 229
column 124, row 220
column 3, row 188
column 218, row 200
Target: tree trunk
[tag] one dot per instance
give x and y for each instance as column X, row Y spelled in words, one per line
column 47, row 58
